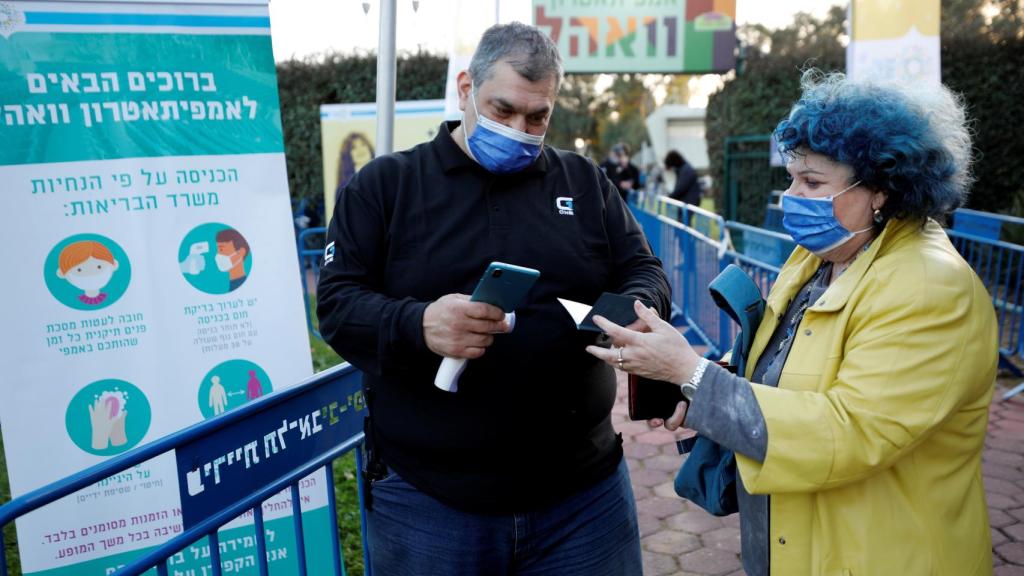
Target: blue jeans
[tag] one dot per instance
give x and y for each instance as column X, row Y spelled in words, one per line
column 591, row 533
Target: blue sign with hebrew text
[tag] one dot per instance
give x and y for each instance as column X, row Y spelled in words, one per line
column 218, row 470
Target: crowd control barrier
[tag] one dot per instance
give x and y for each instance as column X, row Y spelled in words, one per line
column 1000, row 265
column 694, row 245
column 336, row 394
column 311, row 242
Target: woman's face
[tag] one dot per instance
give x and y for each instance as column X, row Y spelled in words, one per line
column 818, row 176
column 360, row 153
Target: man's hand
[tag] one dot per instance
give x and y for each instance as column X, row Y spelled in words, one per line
column 454, row 327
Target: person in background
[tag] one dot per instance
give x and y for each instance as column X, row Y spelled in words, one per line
column 624, row 174
column 520, row 470
column 859, row 425
column 687, row 187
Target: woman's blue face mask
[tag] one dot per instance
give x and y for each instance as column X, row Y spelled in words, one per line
column 499, row 148
column 813, row 224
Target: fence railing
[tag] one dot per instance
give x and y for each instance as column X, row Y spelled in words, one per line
column 311, row 242
column 695, row 244
column 208, row 503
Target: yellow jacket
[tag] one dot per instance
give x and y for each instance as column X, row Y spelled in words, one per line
column 875, row 432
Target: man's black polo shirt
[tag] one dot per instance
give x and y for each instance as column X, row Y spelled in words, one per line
column 530, row 423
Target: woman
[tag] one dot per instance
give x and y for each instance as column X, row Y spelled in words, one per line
column 858, row 427
column 356, row 152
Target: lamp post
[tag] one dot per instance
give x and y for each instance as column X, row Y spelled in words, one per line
column 386, row 78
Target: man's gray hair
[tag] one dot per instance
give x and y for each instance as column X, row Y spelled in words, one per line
column 528, row 50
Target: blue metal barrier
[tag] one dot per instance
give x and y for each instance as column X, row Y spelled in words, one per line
column 311, row 242
column 694, row 246
column 759, row 244
column 687, row 239
column 338, row 389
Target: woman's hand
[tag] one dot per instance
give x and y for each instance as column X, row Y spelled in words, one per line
column 674, row 421
column 657, row 350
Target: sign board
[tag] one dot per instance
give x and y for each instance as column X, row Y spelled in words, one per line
column 348, row 137
column 895, row 40
column 145, row 206
column 638, row 36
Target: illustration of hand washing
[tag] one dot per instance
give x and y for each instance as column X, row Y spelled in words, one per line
column 107, row 415
column 195, row 262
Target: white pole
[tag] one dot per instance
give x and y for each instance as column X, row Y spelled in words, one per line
column 386, row 65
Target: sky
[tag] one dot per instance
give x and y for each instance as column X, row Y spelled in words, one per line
column 303, row 28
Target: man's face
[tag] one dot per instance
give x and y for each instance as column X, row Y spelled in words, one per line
column 509, row 99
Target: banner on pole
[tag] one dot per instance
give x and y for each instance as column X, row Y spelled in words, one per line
column 631, row 36
column 894, row 40
column 145, row 197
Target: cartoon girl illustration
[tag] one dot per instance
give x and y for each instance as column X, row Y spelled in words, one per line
column 356, row 152
column 87, row 265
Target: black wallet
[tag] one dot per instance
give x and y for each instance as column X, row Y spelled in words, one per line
column 615, row 307
column 652, row 398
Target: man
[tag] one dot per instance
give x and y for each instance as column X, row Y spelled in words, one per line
column 519, row 471
column 232, row 248
column 624, row 175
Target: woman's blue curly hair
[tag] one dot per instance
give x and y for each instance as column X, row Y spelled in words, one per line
column 911, row 142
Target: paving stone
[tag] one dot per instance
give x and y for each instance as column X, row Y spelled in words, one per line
column 1004, row 458
column 639, row 451
column 651, row 478
column 999, row 518
column 695, row 522
column 633, row 429
column 1015, row 531
column 649, row 525
column 663, row 437
column 1000, row 486
column 661, row 507
column 998, row 538
column 726, row 538
column 1000, row 501
column 993, row 470
column 1005, row 444
column 671, row 542
column 1008, row 423
column 642, row 493
column 1009, row 570
column 709, row 561
column 659, row 564
column 1013, row 415
column 1017, row 513
column 666, row 490
column 1012, row 552
column 666, row 462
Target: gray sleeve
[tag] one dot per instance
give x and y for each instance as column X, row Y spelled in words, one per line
column 725, row 410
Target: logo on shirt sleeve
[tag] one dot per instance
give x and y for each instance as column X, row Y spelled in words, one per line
column 564, row 205
column 328, row 254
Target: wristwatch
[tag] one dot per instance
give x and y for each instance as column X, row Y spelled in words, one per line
column 689, row 387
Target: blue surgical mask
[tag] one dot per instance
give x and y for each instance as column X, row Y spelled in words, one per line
column 499, row 148
column 813, row 224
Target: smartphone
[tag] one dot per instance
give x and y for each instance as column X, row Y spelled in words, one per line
column 505, row 285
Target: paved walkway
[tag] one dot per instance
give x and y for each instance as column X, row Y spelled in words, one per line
column 680, row 539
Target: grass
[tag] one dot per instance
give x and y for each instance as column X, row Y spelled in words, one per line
column 345, row 490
